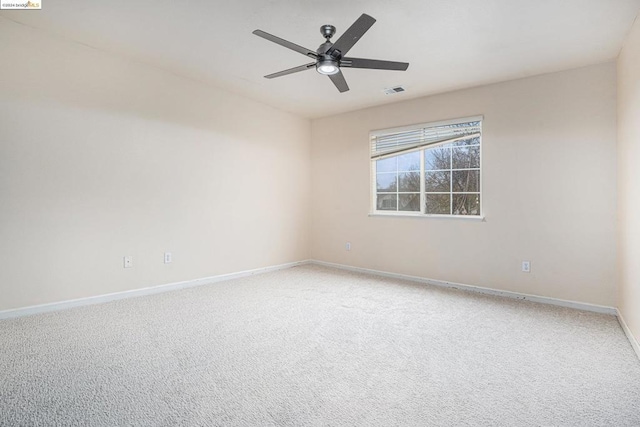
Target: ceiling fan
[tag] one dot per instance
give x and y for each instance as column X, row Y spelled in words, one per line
column 329, row 57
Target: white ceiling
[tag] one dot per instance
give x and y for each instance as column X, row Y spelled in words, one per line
column 450, row 44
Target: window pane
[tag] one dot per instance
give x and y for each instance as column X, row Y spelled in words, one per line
column 387, row 182
column 466, row 157
column 409, row 181
column 409, row 162
column 466, row 204
column 438, row 181
column 466, row 181
column 387, row 165
column 387, row 202
column 438, row 204
column 437, row 158
column 409, row 202
column 470, row 141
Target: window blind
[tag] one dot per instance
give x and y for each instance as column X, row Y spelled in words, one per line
column 404, row 141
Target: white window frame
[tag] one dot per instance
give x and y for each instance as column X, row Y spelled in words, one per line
column 421, row 214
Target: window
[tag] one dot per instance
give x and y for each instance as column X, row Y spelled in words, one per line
column 429, row 169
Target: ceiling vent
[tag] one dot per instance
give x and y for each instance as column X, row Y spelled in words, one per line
column 392, row 90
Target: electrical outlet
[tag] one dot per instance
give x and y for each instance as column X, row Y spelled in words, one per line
column 167, row 257
column 128, row 261
column 526, row 266
column 348, row 246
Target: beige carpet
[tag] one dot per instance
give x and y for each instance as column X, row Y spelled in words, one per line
column 311, row 346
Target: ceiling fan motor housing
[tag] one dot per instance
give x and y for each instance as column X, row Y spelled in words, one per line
column 324, row 48
column 327, row 63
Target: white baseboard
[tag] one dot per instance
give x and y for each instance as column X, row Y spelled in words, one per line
column 98, row 299
column 45, row 308
column 627, row 332
column 62, row 305
column 478, row 289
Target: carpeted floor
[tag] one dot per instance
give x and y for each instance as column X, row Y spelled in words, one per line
column 311, row 346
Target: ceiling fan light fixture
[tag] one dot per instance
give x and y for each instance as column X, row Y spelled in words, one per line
column 327, row 67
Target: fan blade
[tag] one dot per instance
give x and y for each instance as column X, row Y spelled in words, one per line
column 353, row 34
column 374, row 64
column 291, row 70
column 285, row 43
column 339, row 81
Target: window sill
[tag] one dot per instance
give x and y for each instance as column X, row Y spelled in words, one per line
column 423, row 216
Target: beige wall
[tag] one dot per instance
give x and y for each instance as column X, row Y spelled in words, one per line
column 101, row 157
column 549, row 178
column 629, row 180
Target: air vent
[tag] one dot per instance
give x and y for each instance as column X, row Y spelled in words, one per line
column 392, row 90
